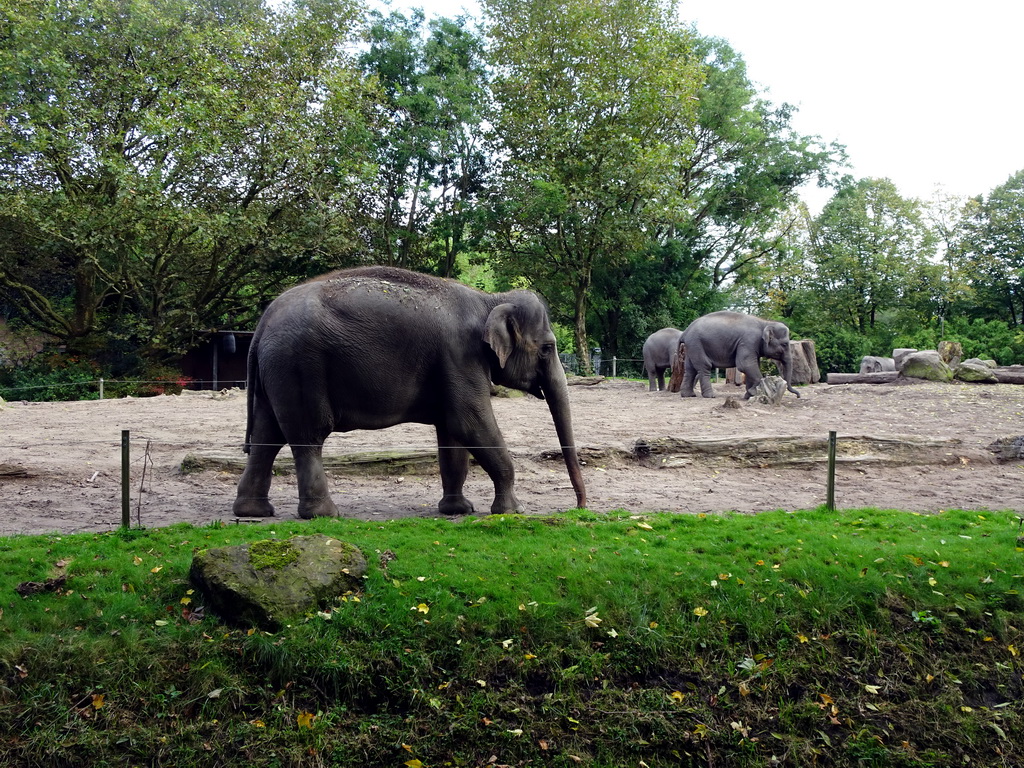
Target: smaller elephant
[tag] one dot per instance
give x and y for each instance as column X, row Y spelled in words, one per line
column 873, row 364
column 734, row 340
column 659, row 355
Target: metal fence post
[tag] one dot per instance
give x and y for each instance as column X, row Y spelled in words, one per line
column 101, row 388
column 126, row 519
column 830, row 493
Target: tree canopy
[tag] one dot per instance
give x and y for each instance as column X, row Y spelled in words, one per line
column 168, row 166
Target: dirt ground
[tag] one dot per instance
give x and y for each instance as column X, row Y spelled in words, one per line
column 60, row 462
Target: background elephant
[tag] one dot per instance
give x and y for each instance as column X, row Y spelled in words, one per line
column 734, row 340
column 875, row 364
column 659, row 355
column 372, row 347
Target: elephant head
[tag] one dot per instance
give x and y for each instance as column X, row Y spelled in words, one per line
column 775, row 345
column 520, row 335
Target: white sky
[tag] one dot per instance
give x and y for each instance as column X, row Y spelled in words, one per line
column 924, row 92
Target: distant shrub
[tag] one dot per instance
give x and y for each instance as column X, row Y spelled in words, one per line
column 50, row 377
column 991, row 339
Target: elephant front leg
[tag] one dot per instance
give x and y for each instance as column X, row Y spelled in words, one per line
column 453, row 460
column 706, row 389
column 314, row 497
column 488, row 448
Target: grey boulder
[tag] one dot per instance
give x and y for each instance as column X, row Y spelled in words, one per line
column 267, row 583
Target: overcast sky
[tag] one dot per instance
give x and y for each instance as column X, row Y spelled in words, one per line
column 924, row 92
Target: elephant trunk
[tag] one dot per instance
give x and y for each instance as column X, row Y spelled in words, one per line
column 786, row 370
column 556, row 392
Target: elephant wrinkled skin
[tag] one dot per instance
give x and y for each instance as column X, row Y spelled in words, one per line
column 734, row 340
column 372, row 347
column 659, row 355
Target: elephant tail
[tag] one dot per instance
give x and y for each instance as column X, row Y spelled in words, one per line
column 253, row 376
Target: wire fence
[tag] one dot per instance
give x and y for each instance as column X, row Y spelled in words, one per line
column 102, row 388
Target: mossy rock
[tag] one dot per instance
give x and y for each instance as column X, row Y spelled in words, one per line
column 269, row 582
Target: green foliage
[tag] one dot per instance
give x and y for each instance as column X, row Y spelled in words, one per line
column 991, row 248
column 428, row 144
column 626, row 638
column 839, row 350
column 50, row 377
column 986, row 339
column 173, row 162
column 594, row 106
column 865, row 247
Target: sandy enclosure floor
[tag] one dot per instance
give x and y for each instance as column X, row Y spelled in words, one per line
column 67, row 456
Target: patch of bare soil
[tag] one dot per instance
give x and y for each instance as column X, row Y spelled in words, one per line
column 60, row 462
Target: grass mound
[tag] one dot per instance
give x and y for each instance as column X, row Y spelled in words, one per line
column 864, row 637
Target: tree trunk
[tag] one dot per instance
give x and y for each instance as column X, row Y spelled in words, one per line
column 580, row 317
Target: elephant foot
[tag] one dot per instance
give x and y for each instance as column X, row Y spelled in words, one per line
column 688, row 394
column 247, row 506
column 319, row 507
column 708, row 394
column 506, row 505
column 455, row 505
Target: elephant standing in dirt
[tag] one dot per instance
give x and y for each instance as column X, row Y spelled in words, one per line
column 733, row 340
column 372, row 347
column 660, row 355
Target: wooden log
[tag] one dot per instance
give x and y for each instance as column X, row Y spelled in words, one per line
column 1009, row 375
column 883, row 377
column 13, row 470
column 777, row 450
column 1004, row 375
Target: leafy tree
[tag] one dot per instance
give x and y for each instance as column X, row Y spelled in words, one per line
column 991, row 246
column 870, row 251
column 744, row 171
column 432, row 165
column 739, row 180
column 166, row 166
column 594, row 105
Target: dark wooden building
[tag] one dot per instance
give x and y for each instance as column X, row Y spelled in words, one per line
column 218, row 362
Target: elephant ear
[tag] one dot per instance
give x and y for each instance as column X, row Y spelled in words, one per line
column 766, row 334
column 500, row 331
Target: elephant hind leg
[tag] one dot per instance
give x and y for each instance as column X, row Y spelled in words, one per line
column 314, row 496
column 265, row 442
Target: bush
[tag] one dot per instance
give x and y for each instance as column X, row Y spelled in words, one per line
column 839, row 350
column 49, row 377
column 991, row 339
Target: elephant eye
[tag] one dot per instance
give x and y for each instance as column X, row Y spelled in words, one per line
column 547, row 350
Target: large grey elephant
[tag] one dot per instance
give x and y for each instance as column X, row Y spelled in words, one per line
column 659, row 355
column 733, row 340
column 372, row 347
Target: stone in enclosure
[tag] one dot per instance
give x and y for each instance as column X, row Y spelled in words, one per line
column 800, row 370
column 874, row 364
column 268, row 582
column 1008, row 448
column 901, row 354
column 951, row 353
column 732, row 376
column 975, row 372
column 812, row 359
column 979, row 361
column 770, row 390
column 926, row 365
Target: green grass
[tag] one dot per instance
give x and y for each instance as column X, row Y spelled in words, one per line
column 863, row 637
